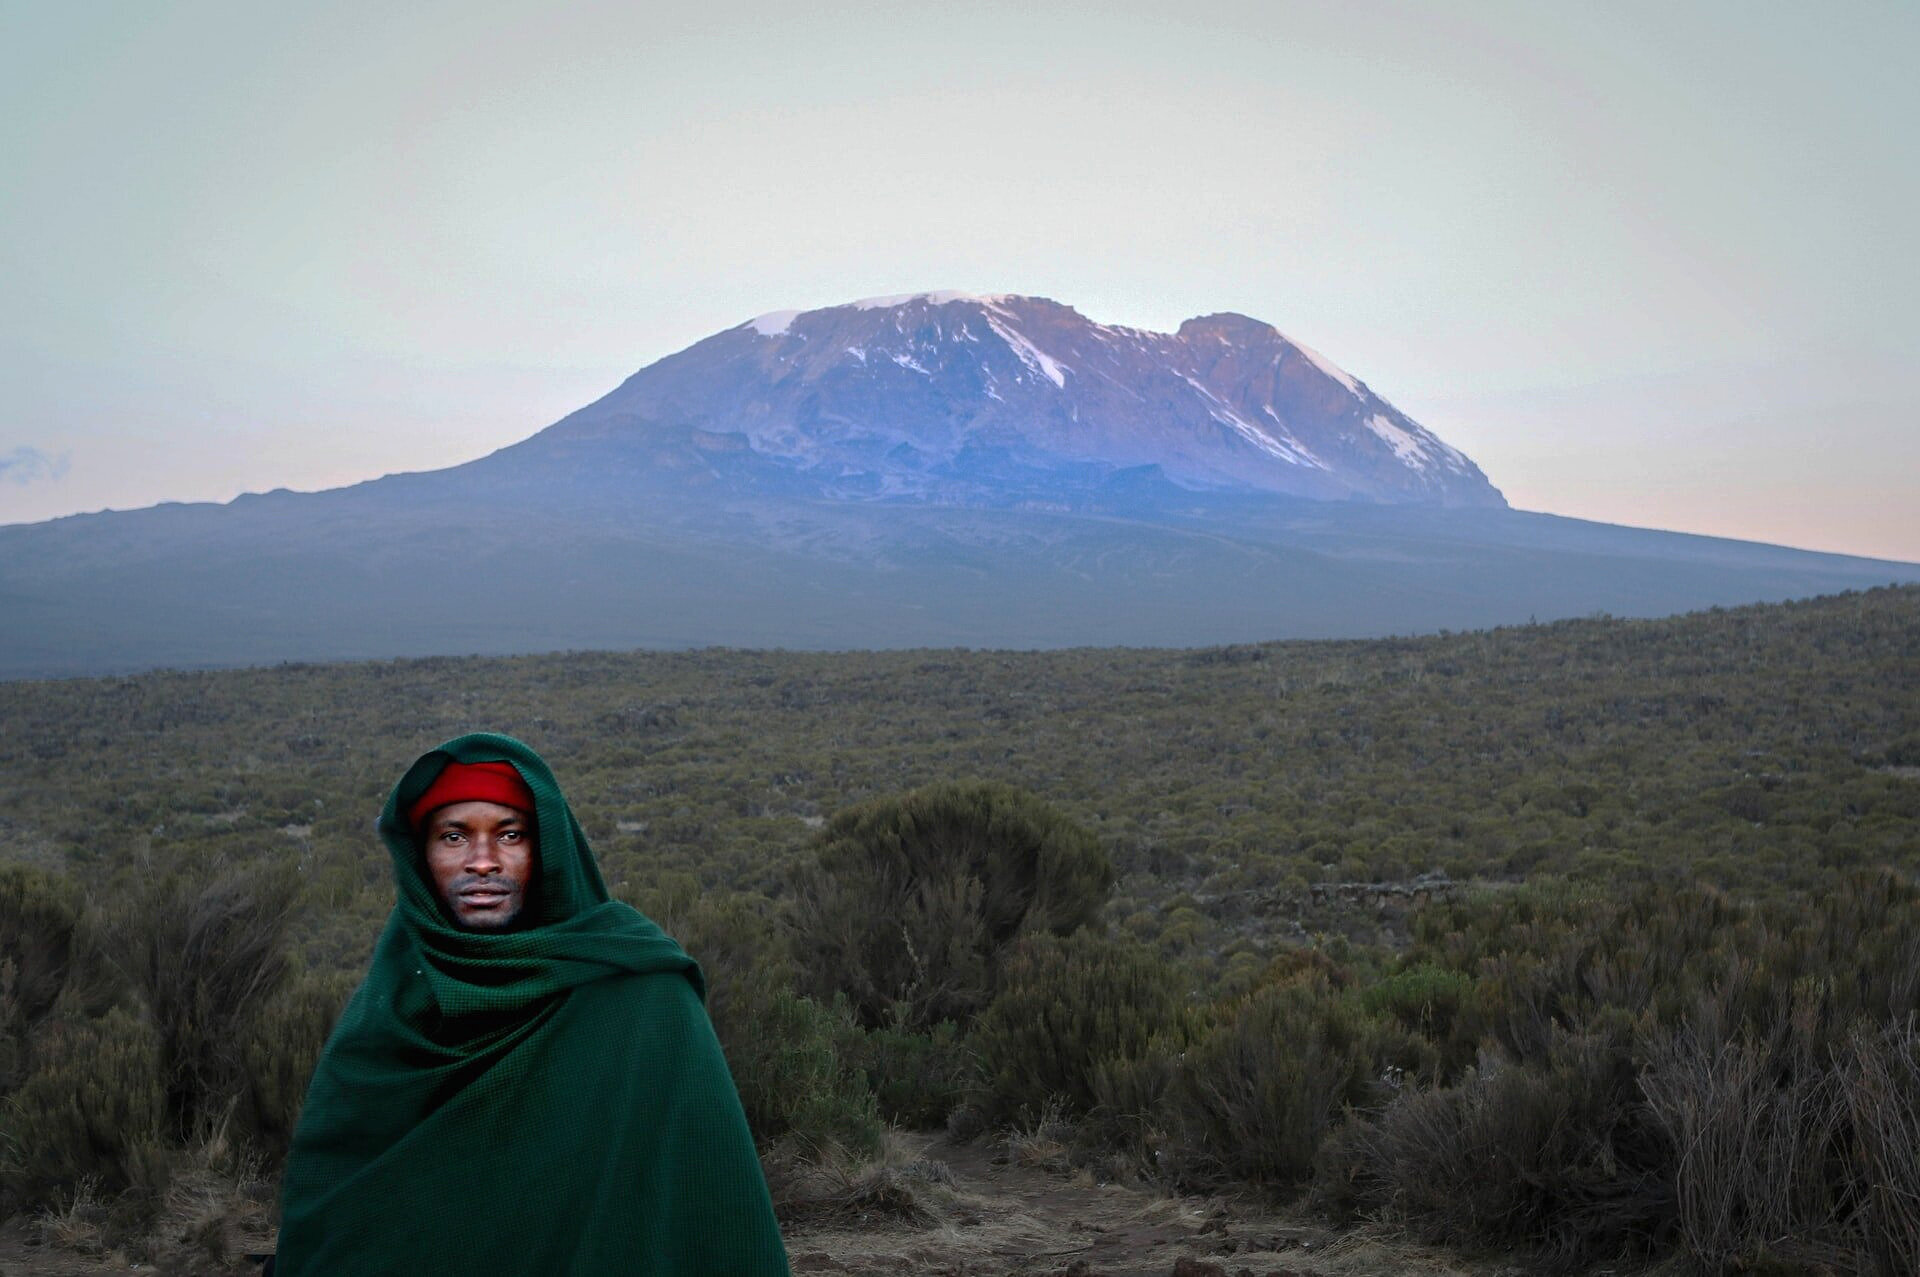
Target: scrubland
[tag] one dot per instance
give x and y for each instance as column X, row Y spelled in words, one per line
column 1593, row 944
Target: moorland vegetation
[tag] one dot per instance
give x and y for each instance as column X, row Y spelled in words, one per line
column 1591, row 939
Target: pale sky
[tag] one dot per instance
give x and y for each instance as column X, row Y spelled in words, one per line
column 1650, row 263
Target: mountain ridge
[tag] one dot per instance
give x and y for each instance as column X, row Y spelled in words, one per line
column 875, row 397
column 765, row 487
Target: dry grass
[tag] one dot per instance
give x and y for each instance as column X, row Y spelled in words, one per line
column 78, row 1225
column 899, row 1186
column 217, row 1209
column 1884, row 1105
column 1045, row 1143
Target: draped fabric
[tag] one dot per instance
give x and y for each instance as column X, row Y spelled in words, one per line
column 546, row 1100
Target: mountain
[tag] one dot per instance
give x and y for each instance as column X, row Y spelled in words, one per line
column 953, row 399
column 933, row 470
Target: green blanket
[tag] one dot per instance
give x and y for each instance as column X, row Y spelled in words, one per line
column 545, row 1100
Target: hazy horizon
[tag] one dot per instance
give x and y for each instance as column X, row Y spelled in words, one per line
column 1645, row 266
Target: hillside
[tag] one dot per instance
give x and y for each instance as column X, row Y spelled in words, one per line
column 1471, row 937
column 1764, row 747
column 930, row 471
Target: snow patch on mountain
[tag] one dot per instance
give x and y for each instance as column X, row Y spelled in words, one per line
column 1030, row 355
column 1324, row 364
column 1406, row 446
column 774, row 323
column 1290, row 451
column 943, row 297
column 1007, row 370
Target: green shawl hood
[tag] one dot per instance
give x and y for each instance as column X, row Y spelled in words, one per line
column 548, row 1099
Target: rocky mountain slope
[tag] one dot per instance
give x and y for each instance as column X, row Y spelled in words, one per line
column 928, row 471
column 984, row 400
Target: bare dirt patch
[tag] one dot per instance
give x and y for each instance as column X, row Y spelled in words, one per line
column 932, row 1208
column 983, row 1214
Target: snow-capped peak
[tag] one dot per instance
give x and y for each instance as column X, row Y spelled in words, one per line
column 1222, row 402
column 942, row 297
column 1324, row 364
column 775, row 323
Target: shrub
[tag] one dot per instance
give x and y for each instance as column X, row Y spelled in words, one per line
column 38, row 916
column 794, row 1067
column 1793, row 1149
column 282, row 1049
column 795, row 1061
column 39, row 939
column 1068, row 1008
column 1561, row 1157
column 917, row 1078
column 1758, row 1173
column 1882, row 1099
column 206, row 957
column 1263, row 1086
column 910, row 901
column 1431, row 1003
column 92, row 1109
column 733, row 937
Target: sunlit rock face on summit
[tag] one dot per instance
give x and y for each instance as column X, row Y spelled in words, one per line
column 961, row 399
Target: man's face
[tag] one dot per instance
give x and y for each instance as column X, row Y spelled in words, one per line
column 481, row 858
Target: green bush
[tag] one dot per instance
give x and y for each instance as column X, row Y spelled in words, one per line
column 910, row 901
column 741, row 950
column 1262, row 1087
column 1559, row 1157
column 1881, row 1071
column 281, row 1050
column 92, row 1108
column 1432, row 1004
column 43, row 955
column 1068, row 1008
column 206, row 956
column 38, row 916
column 796, row 1062
column 795, row 1067
column 917, row 1078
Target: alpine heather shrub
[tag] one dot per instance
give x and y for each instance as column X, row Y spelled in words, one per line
column 1260, row 1089
column 1791, row 1150
column 1560, row 1157
column 918, row 1079
column 1759, row 1169
column 38, row 917
column 742, row 950
column 794, row 1067
column 795, row 1060
column 206, row 955
column 1067, row 1010
column 1882, row 1095
column 1433, row 1005
column 92, row 1108
column 282, row 1049
column 910, row 902
column 42, row 951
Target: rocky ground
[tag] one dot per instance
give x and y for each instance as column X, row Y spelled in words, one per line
column 990, row 1208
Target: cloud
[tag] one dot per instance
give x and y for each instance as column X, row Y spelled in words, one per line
column 30, row 465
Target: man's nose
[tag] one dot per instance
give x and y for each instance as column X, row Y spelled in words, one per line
column 482, row 854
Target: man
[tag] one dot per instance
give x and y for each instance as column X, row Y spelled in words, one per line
column 526, row 1082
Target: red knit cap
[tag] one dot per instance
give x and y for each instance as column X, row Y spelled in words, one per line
column 472, row 782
